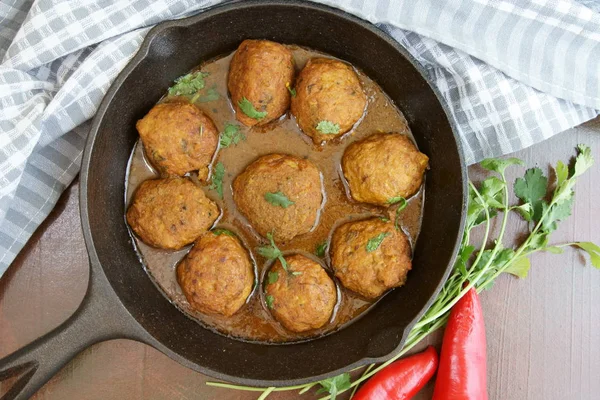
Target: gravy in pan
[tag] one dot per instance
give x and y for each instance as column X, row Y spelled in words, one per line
column 254, row 321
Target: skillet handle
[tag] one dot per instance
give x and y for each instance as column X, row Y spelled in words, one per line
column 100, row 317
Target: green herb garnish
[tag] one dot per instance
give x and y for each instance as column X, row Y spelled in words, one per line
column 272, row 277
column 272, row 252
column 328, row 128
column 374, row 243
column 402, row 203
column 231, row 135
column 278, row 199
column 290, row 89
column 221, row 231
column 217, row 179
column 189, row 84
column 321, row 248
column 479, row 267
column 335, row 385
column 248, row 109
column 269, row 300
column 296, row 273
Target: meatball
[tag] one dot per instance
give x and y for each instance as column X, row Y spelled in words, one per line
column 170, row 213
column 279, row 194
column 178, row 138
column 329, row 99
column 217, row 275
column 383, row 166
column 302, row 298
column 370, row 256
column 260, row 74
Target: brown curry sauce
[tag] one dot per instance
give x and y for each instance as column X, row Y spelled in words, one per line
column 254, row 321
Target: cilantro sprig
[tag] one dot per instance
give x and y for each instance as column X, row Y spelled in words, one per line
column 321, row 248
column 272, row 252
column 217, row 179
column 328, row 127
column 278, row 199
column 402, row 203
column 248, row 108
column 543, row 207
column 335, row 385
column 374, row 243
column 231, row 135
column 188, row 85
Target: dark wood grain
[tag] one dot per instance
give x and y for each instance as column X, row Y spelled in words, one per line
column 543, row 332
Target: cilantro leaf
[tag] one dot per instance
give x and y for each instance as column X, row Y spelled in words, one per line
column 272, row 252
column 519, row 267
column 532, row 187
column 562, row 173
column 220, row 231
column 272, row 277
column 558, row 212
column 499, row 164
column 269, row 300
column 248, row 108
column 217, row 179
column 374, row 243
column 328, row 128
column 402, row 203
column 335, row 385
column 583, row 161
column 278, row 199
column 491, row 190
column 231, row 135
column 593, row 250
column 321, row 248
column 189, row 84
column 290, row 89
column 538, row 241
column 398, row 199
column 525, row 210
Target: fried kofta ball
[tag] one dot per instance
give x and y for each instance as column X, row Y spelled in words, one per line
column 217, row 275
column 370, row 256
column 301, row 298
column 279, row 194
column 329, row 99
column 259, row 76
column 170, row 213
column 383, row 166
column 178, row 138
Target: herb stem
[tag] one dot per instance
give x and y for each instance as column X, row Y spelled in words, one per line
column 366, row 371
column 485, row 235
column 307, row 387
column 521, row 248
column 476, row 278
column 266, row 393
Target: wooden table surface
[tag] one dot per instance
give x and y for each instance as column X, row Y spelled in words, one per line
column 543, row 332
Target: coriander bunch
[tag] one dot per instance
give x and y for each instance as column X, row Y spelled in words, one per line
column 479, row 267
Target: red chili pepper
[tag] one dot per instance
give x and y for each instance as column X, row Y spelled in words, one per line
column 402, row 379
column 462, row 373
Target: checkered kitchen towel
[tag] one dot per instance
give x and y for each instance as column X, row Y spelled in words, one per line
column 513, row 72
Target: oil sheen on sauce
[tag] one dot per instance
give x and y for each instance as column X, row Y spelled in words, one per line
column 254, row 321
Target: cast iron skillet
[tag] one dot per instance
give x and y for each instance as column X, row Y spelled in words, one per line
column 122, row 302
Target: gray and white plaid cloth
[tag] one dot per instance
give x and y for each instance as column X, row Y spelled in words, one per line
column 513, row 73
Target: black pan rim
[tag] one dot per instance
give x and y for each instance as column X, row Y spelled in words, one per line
column 208, row 13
